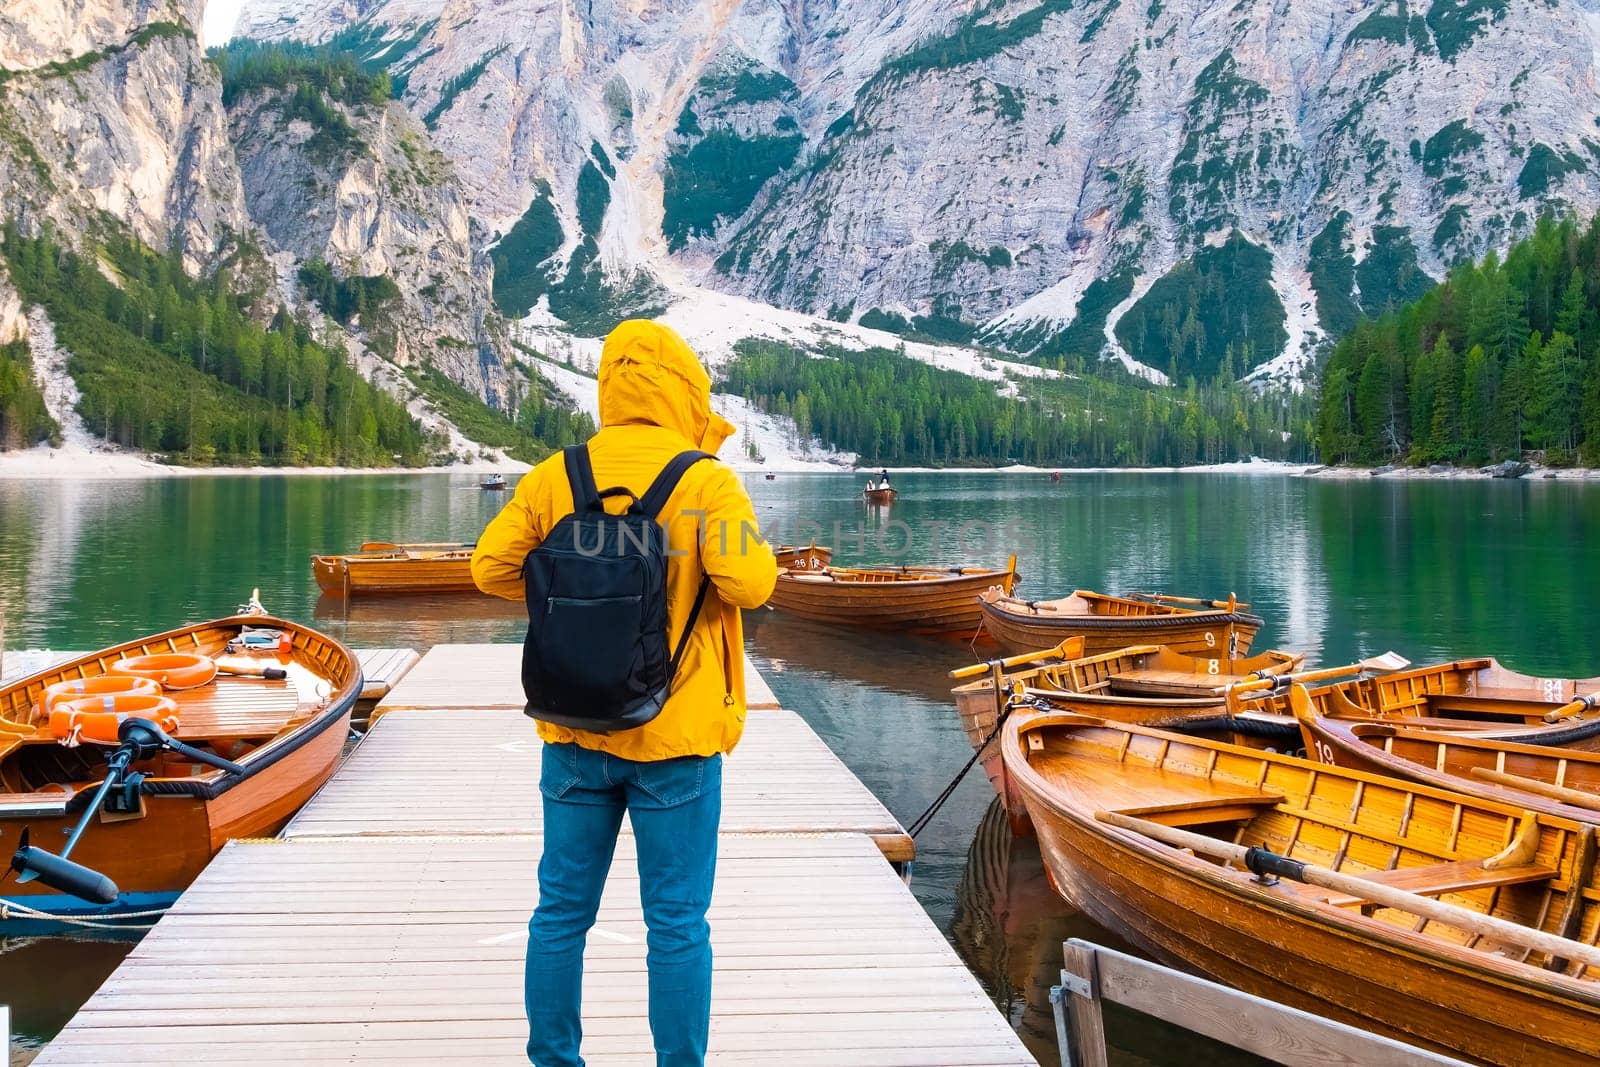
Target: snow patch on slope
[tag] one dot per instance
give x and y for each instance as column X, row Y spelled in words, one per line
column 1293, row 365
column 61, row 395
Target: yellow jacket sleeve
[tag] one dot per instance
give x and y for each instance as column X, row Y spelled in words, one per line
column 734, row 554
column 507, row 540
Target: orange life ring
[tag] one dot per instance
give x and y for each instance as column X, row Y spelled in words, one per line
column 178, row 670
column 97, row 719
column 100, row 685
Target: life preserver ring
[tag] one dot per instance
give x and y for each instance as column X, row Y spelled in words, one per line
column 97, row 719
column 100, row 685
column 177, row 670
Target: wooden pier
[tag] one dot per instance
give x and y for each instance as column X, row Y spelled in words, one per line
column 388, row 923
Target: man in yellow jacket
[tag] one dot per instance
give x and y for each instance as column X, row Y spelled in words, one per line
column 655, row 402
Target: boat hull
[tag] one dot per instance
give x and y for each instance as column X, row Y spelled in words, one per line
column 1446, row 760
column 1275, row 941
column 1297, row 960
column 185, row 819
column 1201, row 633
column 347, row 575
column 937, row 606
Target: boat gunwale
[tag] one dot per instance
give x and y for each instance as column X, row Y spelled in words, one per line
column 1033, row 787
column 216, row 782
column 1107, row 622
column 1341, row 734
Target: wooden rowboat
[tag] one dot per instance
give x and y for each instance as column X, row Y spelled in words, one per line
column 1452, row 921
column 913, row 599
column 1472, row 689
column 1147, row 684
column 812, row 557
column 879, row 496
column 1537, row 776
column 282, row 737
column 1108, row 623
column 400, row 569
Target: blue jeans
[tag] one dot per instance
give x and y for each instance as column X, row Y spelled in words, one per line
column 674, row 806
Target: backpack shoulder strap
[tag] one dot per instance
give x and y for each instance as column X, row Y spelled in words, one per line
column 580, row 475
column 655, row 497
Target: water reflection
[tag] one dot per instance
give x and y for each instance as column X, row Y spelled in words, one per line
column 44, row 980
column 1339, row 569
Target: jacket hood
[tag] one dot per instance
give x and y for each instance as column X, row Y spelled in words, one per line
column 650, row 376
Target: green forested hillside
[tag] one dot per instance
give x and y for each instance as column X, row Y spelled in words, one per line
column 890, row 408
column 1500, row 359
column 171, row 365
column 23, row 418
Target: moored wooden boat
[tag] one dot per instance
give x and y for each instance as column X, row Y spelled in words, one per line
column 1477, row 688
column 1538, row 776
column 924, row 600
column 1147, row 684
column 1108, row 623
column 812, row 557
column 400, row 569
column 1458, row 923
column 281, row 736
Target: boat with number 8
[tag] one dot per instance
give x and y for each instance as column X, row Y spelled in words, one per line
column 1148, row 684
column 1459, row 923
column 1106, row 623
column 155, row 785
column 924, row 600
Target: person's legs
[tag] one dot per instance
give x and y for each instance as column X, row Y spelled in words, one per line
column 675, row 807
column 582, row 813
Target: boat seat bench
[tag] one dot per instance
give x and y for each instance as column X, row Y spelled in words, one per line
column 1211, row 809
column 1436, row 879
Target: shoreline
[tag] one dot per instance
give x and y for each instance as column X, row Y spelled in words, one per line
column 43, row 463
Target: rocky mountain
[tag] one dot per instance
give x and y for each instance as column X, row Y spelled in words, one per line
column 109, row 110
column 113, row 120
column 1191, row 186
column 365, row 195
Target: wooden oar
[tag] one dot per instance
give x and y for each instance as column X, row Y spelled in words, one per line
column 1231, row 604
column 1071, row 648
column 1262, row 862
column 1575, row 797
column 1577, row 707
column 1387, row 663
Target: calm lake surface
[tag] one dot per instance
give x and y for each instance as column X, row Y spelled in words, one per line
column 1339, row 569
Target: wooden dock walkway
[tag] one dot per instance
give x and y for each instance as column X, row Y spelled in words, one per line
column 490, row 676
column 407, row 777
column 388, row 924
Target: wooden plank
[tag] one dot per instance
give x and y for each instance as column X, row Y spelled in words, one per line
column 1243, row 1021
column 355, row 951
column 781, row 778
column 490, row 676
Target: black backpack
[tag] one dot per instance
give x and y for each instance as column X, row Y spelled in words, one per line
column 596, row 653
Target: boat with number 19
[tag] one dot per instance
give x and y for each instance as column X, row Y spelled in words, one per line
column 1462, row 924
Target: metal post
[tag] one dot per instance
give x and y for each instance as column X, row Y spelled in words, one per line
column 1058, row 1007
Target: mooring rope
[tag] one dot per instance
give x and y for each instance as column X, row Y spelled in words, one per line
column 921, row 822
column 10, row 909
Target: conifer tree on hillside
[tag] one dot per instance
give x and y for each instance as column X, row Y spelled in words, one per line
column 1500, row 359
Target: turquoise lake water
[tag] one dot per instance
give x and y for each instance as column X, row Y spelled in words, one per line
column 1339, row 569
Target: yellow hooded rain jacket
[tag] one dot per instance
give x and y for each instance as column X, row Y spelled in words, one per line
column 655, row 401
